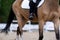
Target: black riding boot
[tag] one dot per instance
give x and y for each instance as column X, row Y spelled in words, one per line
column 32, row 5
column 31, row 16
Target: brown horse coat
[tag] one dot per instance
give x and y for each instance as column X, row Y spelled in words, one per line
column 49, row 11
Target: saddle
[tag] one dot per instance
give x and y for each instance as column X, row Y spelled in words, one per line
column 25, row 4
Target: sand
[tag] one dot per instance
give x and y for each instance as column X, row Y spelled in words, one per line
column 28, row 36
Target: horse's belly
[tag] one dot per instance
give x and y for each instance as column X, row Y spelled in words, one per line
column 50, row 18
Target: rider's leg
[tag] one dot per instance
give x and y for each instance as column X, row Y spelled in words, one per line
column 35, row 10
column 32, row 5
column 37, row 2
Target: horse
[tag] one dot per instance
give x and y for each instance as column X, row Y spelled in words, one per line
column 47, row 12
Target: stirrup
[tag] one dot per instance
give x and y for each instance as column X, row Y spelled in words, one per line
column 31, row 16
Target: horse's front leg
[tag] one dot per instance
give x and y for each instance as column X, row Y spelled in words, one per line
column 41, row 24
column 56, row 27
column 21, row 23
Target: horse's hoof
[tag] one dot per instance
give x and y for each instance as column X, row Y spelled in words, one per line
column 4, row 31
column 40, row 39
column 58, row 39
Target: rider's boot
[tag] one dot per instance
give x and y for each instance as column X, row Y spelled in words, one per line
column 31, row 4
column 31, row 16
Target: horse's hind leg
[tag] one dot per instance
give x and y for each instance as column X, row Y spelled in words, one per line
column 9, row 21
column 41, row 24
column 56, row 27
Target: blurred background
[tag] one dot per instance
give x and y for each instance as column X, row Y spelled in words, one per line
column 5, row 6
